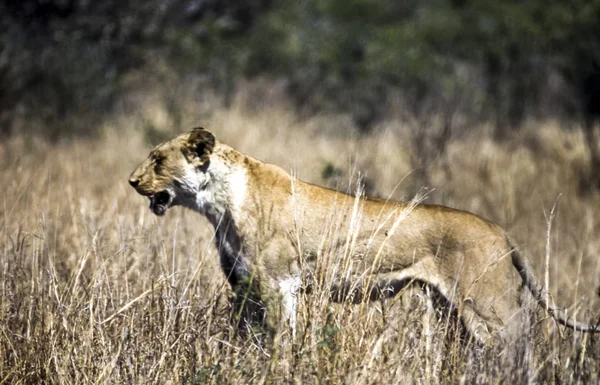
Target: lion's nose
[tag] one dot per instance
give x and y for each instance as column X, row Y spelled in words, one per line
column 134, row 182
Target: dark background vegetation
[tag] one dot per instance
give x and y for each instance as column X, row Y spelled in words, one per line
column 499, row 61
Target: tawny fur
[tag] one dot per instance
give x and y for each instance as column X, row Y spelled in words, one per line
column 275, row 230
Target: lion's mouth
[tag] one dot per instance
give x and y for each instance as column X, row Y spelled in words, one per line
column 159, row 202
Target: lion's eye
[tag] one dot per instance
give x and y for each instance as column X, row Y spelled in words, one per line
column 157, row 161
column 158, row 166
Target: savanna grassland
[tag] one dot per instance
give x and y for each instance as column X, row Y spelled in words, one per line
column 95, row 289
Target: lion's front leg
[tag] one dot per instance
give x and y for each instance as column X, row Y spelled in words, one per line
column 280, row 281
column 288, row 290
column 280, row 297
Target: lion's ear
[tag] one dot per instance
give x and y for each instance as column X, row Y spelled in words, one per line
column 198, row 147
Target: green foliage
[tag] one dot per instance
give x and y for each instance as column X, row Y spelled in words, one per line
column 329, row 343
column 205, row 374
column 330, row 170
column 59, row 57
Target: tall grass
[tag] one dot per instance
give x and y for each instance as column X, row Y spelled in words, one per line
column 95, row 289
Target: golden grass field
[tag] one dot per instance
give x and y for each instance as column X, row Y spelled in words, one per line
column 95, row 289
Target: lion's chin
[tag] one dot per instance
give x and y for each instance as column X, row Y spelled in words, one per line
column 160, row 202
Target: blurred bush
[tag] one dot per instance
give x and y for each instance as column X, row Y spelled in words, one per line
column 489, row 59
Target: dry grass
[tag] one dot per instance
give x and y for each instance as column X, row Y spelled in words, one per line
column 94, row 289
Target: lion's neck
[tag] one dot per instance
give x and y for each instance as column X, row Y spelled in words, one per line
column 222, row 198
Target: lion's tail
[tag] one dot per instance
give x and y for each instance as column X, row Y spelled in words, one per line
column 543, row 298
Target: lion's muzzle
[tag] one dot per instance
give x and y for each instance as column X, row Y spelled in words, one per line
column 159, row 201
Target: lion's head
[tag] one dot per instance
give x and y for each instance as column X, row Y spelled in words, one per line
column 175, row 170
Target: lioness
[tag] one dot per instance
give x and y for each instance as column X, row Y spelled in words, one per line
column 273, row 229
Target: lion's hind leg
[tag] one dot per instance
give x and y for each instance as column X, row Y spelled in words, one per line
column 479, row 325
column 476, row 324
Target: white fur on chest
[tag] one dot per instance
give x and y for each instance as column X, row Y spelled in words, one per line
column 238, row 187
column 220, row 196
column 222, row 190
